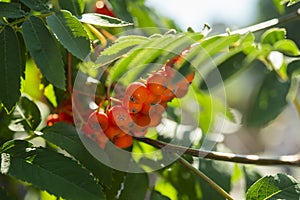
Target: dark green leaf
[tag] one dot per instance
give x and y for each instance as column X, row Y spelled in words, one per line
column 15, row 148
column 183, row 181
column 22, row 53
column 102, row 20
column 273, row 35
column 269, row 102
column 55, row 173
column 37, row 5
column 251, row 176
column 118, row 178
column 11, row 10
column 155, row 195
column 3, row 194
column 28, row 114
column 226, row 69
column 135, row 186
column 44, row 50
column 287, row 47
column 66, row 137
column 218, row 172
column 70, row 33
column 76, row 7
column 279, row 186
column 10, row 68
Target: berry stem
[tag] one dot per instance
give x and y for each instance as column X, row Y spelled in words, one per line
column 292, row 160
column 98, row 34
column 213, row 184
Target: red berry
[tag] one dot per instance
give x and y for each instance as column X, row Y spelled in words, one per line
column 52, row 119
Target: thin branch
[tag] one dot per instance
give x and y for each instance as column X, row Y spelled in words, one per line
column 213, row 184
column 268, row 24
column 293, row 160
column 70, row 86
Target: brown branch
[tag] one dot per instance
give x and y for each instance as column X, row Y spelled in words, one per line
column 293, row 160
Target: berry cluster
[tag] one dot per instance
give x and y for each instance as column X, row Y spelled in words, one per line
column 63, row 114
column 140, row 108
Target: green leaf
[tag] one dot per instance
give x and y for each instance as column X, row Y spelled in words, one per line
column 250, row 176
column 55, row 173
column 76, row 7
column 273, row 35
column 290, row 2
column 269, row 102
column 11, row 10
column 227, row 69
column 119, row 49
column 183, row 181
column 279, row 5
column 44, row 50
column 3, row 194
column 10, row 68
column 117, row 181
column 102, row 20
column 37, row 5
column 279, row 186
column 70, row 33
column 28, row 114
column 66, row 137
column 287, row 47
column 219, row 172
column 155, row 195
column 135, row 186
column 22, row 53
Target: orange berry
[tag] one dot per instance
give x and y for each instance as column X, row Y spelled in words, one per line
column 102, row 119
column 119, row 116
column 182, row 89
column 156, row 83
column 145, row 109
column 139, row 132
column 141, row 120
column 112, row 132
column 190, row 77
column 123, row 141
column 98, row 120
column 137, row 92
column 168, row 95
column 152, row 99
column 130, row 106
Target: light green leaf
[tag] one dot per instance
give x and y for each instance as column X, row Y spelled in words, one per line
column 37, row 5
column 44, row 50
column 119, row 49
column 76, row 7
column 10, row 68
column 70, row 33
column 279, row 186
column 102, row 20
column 11, row 10
column 66, row 137
column 273, row 35
column 287, row 47
column 250, row 176
column 53, row 172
